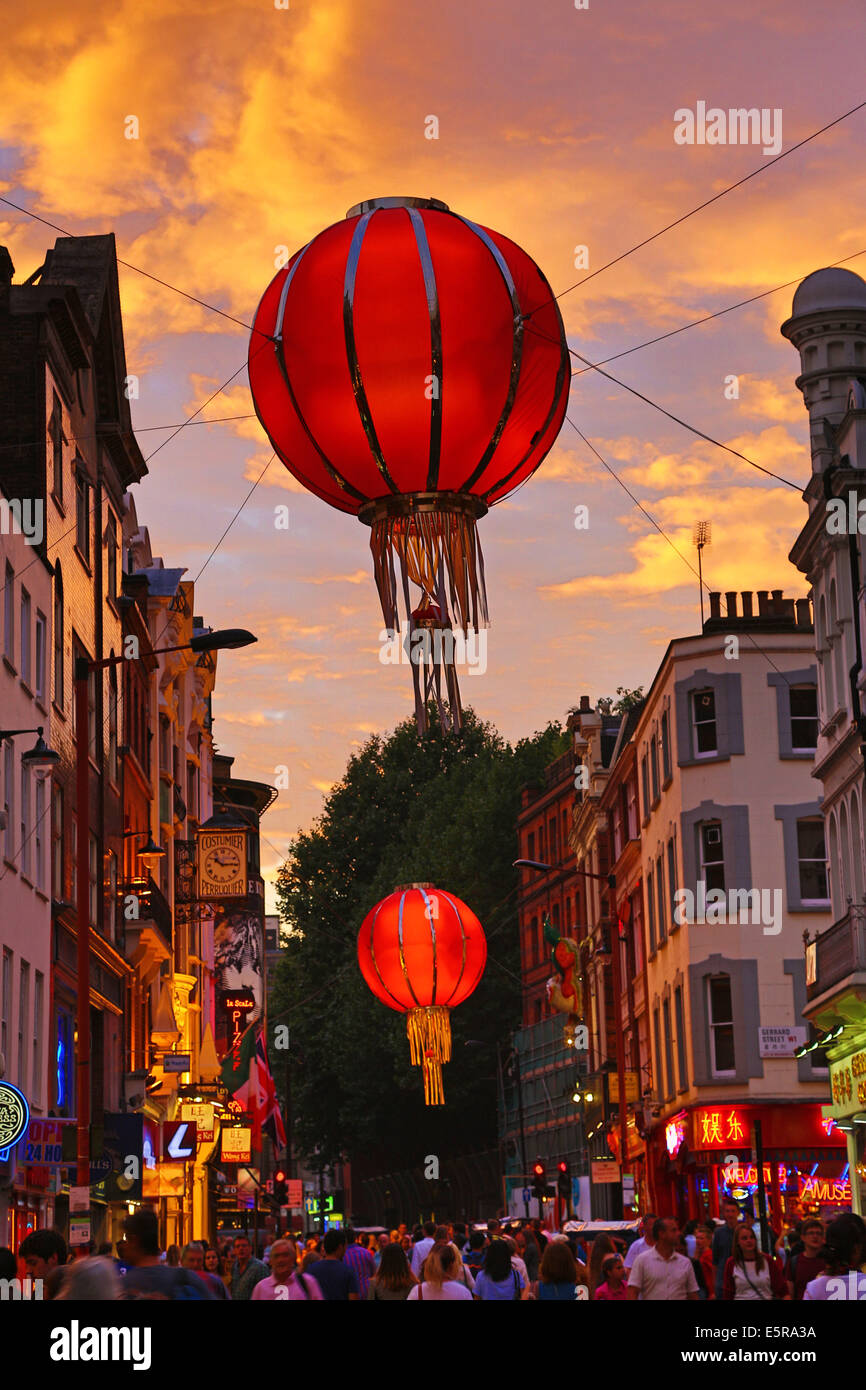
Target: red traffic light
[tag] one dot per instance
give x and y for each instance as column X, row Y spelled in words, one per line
column 279, row 1176
column 538, row 1169
column 563, row 1167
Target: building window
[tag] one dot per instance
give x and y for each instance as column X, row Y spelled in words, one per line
column 669, row 1048
column 679, row 1022
column 803, row 705
column 39, row 836
column 654, row 767
column 631, row 809
column 660, row 891
column 82, row 512
column 110, row 890
column 6, row 1002
column 25, row 819
column 651, row 911
column 55, row 429
column 644, row 778
column 530, row 842
column 9, row 615
column 672, row 876
column 551, row 840
column 661, row 1092
column 58, row 639
column 666, row 748
column 112, row 725
column 720, row 1017
column 41, row 630
column 812, row 861
column 57, row 843
column 704, row 723
column 23, row 1020
column 111, row 557
column 616, row 816
column 712, row 855
column 38, row 1003
column 26, row 619
column 9, row 800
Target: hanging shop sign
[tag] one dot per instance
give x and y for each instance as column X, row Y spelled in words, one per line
column 239, row 966
column 848, row 1084
column 632, row 1087
column 14, row 1117
column 123, row 1138
column 203, row 1117
column 236, row 1145
column 222, row 863
column 721, row 1126
column 604, row 1170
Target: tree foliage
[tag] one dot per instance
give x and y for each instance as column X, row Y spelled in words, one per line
column 441, row 808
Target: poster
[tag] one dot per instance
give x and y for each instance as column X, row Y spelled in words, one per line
column 239, row 961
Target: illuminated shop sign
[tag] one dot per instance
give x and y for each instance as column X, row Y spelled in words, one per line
column 675, row 1133
column 14, row 1117
column 714, row 1129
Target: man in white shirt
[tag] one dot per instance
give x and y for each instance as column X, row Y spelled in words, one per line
column 660, row 1275
column 644, row 1242
column 423, row 1248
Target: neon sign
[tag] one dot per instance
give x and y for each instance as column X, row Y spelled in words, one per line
column 746, row 1175
column 719, row 1127
column 826, row 1190
column 675, row 1133
column 14, row 1117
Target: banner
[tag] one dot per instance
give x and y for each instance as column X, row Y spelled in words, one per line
column 239, row 960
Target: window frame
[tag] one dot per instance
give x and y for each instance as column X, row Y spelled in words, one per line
column 713, row 1026
column 698, row 753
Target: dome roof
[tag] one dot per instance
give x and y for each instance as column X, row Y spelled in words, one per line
column 833, row 288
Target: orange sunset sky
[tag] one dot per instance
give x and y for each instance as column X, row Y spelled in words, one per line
column 259, row 126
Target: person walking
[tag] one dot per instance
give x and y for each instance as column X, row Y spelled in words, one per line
column 601, row 1247
column 558, row 1275
column 383, row 1240
column 147, row 1276
column 660, row 1274
column 358, row 1258
column 843, row 1252
column 394, row 1280
column 214, row 1263
column 337, row 1280
column 612, row 1289
column 192, row 1257
column 807, row 1263
column 422, row 1247
column 704, row 1256
column 441, row 1283
column 285, row 1281
column 498, row 1280
column 644, row 1241
column 750, row 1276
column 723, row 1241
column 246, row 1269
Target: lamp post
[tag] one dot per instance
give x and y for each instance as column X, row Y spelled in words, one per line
column 616, row 971
column 226, row 639
column 40, row 754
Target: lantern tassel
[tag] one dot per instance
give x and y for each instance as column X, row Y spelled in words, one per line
column 429, row 1033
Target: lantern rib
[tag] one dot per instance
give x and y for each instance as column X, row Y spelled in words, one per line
column 281, row 363
column 402, row 954
column 352, row 352
column 432, row 292
column 456, row 911
column 431, row 920
column 401, row 1007
column 516, row 351
column 564, row 366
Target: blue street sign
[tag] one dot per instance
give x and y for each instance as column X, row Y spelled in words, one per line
column 527, row 1193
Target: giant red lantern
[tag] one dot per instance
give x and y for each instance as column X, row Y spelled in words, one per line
column 422, row 952
column 410, row 367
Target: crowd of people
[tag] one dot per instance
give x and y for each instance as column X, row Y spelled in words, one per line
column 446, row 1262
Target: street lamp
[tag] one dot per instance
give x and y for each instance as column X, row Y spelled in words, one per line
column 151, row 853
column 610, row 880
column 40, row 755
column 226, row 639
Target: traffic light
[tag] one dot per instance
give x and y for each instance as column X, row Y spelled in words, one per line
column 539, row 1179
column 563, row 1178
column 281, row 1191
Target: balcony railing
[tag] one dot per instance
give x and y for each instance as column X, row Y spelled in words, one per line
column 836, row 953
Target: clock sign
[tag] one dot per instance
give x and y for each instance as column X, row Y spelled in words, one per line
column 222, row 864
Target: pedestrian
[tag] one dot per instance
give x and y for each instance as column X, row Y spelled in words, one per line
column 43, row 1252
column 601, row 1247
column 359, row 1259
column 750, row 1276
column 612, row 1289
column 843, row 1252
column 474, row 1260
column 214, row 1263
column 285, row 1281
column 147, row 1275
column 498, row 1280
column 441, row 1282
column 382, row 1241
column 723, row 1240
column 394, row 1279
column 703, row 1243
column 516, row 1261
column 93, row 1280
column 172, row 1256
column 423, row 1245
column 192, row 1257
column 659, row 1274
column 807, row 1264
column 682, row 1249
column 246, row 1269
column 689, row 1239
column 644, row 1241
column 337, row 1280
column 531, row 1253
column 558, row 1275
column 539, row 1234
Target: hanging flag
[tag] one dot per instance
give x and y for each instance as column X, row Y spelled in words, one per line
column 271, row 1119
column 235, row 1070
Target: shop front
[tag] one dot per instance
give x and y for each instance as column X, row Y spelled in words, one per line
column 847, row 1111
column 711, row 1151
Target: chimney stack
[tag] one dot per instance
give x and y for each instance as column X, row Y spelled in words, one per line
column 804, row 612
column 731, row 604
column 763, row 603
column 715, row 605
column 585, row 706
column 778, row 607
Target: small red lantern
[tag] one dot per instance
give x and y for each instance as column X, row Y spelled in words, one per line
column 411, row 367
column 422, row 951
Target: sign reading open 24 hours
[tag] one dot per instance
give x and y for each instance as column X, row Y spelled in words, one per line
column 14, row 1116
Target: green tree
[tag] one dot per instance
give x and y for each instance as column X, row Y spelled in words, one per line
column 439, row 809
column 626, row 701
